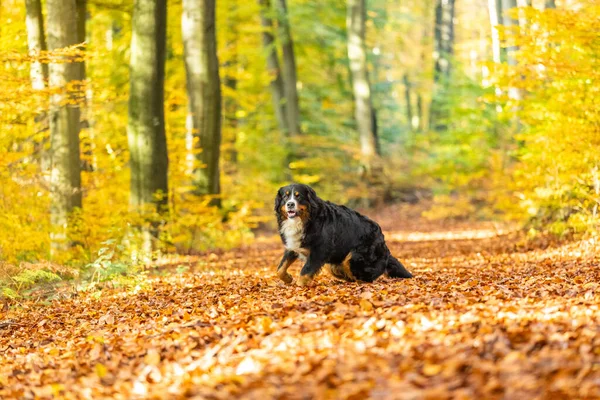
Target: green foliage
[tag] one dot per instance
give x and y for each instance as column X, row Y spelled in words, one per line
column 15, row 281
column 29, row 277
column 457, row 163
column 109, row 263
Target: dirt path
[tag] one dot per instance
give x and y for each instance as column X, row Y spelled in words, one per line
column 485, row 316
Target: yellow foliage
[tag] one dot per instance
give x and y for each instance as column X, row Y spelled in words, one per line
column 556, row 181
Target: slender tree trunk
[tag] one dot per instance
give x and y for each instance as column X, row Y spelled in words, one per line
column 231, row 110
column 36, row 42
column 407, row 100
column 230, row 81
column 88, row 146
column 81, row 32
column 550, row 4
column 444, row 38
column 64, row 123
column 289, row 69
column 421, row 113
column 443, row 51
column 363, row 107
column 495, row 11
column 146, row 126
column 204, row 91
column 425, row 42
column 511, row 23
column 277, row 88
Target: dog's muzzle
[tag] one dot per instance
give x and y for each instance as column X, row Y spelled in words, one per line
column 291, row 207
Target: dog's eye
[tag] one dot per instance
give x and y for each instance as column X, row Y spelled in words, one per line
column 297, row 194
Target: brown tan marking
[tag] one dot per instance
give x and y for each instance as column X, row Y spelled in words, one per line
column 283, row 212
column 304, row 280
column 282, row 271
column 342, row 271
column 303, row 213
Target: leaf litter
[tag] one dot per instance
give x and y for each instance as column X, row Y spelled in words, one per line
column 488, row 315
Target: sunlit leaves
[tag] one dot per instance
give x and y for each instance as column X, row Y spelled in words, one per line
column 485, row 317
column 556, row 179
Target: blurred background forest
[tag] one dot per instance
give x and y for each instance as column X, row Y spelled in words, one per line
column 131, row 126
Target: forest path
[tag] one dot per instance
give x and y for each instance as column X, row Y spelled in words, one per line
column 486, row 315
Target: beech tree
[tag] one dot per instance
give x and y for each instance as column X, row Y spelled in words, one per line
column 36, row 42
column 495, row 13
column 511, row 23
column 276, row 84
column 363, row 103
column 64, row 121
column 442, row 57
column 290, row 80
column 146, row 124
column 204, row 91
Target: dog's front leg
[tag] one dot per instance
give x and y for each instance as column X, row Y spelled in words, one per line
column 288, row 259
column 311, row 268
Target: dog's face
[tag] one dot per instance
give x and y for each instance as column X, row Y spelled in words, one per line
column 295, row 201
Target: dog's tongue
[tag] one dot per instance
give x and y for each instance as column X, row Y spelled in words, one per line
column 291, row 214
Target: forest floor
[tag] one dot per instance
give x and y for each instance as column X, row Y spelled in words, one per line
column 487, row 315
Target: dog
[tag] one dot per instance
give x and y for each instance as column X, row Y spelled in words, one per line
column 320, row 232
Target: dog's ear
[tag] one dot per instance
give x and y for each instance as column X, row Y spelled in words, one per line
column 313, row 200
column 278, row 200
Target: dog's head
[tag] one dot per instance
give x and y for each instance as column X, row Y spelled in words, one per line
column 295, row 201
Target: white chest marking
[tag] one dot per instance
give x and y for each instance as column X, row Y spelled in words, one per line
column 293, row 231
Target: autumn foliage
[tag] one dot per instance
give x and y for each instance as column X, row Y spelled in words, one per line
column 472, row 112
column 486, row 316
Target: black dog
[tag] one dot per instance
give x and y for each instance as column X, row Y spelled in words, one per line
column 320, row 232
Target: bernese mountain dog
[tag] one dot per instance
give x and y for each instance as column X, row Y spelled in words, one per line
column 320, row 232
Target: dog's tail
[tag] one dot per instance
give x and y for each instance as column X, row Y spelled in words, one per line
column 395, row 269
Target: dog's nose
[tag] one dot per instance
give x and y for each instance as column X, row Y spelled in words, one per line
column 290, row 204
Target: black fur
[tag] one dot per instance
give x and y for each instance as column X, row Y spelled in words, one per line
column 351, row 243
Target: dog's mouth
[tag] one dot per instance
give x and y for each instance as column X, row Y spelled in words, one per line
column 292, row 214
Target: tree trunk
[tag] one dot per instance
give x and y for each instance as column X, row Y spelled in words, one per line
column 88, row 145
column 421, row 113
column 550, row 4
column 38, row 72
column 81, row 20
column 444, row 38
column 363, row 107
column 230, row 81
column 289, row 69
column 232, row 119
column 36, row 42
column 146, row 125
column 443, row 50
column 64, row 122
column 277, row 88
column 204, row 91
column 511, row 23
column 409, row 112
column 495, row 12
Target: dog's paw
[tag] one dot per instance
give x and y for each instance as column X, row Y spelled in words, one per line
column 286, row 277
column 304, row 280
